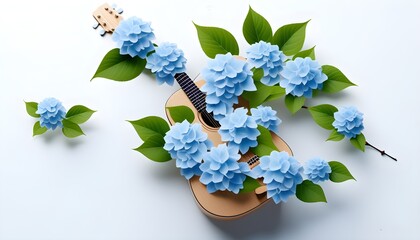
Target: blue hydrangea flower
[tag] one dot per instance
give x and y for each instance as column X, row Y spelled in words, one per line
column 134, row 37
column 317, row 170
column 281, row 173
column 166, row 61
column 226, row 78
column 269, row 58
column 52, row 113
column 348, row 121
column 301, row 76
column 219, row 106
column 187, row 144
column 266, row 117
column 239, row 130
column 222, row 171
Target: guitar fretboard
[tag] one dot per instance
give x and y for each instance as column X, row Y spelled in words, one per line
column 196, row 96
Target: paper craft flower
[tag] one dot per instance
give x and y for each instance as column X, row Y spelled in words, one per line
column 317, row 170
column 301, row 76
column 134, row 37
column 165, row 62
column 281, row 173
column 52, row 113
column 266, row 117
column 219, row 106
column 239, row 130
column 187, row 144
column 222, row 171
column 226, row 78
column 348, row 121
column 269, row 58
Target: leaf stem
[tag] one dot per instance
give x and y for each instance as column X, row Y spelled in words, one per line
column 382, row 152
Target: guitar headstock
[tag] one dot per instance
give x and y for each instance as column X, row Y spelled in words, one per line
column 108, row 17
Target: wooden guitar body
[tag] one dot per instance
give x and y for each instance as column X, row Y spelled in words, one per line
column 221, row 204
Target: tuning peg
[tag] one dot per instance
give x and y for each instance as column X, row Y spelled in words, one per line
column 114, row 6
column 95, row 26
column 102, row 32
column 120, row 10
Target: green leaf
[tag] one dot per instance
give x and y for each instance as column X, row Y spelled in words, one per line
column 336, row 81
column 152, row 148
column 293, row 103
column 306, row 53
column 71, row 129
column 120, row 67
column 359, row 142
column 215, row 40
column 265, row 143
column 276, row 92
column 250, row 184
column 79, row 114
column 335, row 136
column 150, row 126
column 263, row 93
column 290, row 38
column 339, row 172
column 323, row 115
column 310, row 192
column 31, row 108
column 181, row 113
column 38, row 130
column 256, row 28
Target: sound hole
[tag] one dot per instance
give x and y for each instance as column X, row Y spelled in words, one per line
column 209, row 120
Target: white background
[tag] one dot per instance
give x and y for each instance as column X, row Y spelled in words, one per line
column 96, row 187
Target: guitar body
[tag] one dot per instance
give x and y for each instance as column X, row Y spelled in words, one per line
column 223, row 205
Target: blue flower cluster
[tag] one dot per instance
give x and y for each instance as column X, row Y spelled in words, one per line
column 226, row 78
column 301, row 76
column 266, row 117
column 166, row 61
column 269, row 58
column 222, row 171
column 317, row 170
column 348, row 121
column 187, row 144
column 134, row 37
column 52, row 113
column 239, row 130
column 281, row 173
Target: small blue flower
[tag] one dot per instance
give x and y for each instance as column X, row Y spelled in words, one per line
column 281, row 173
column 134, row 37
column 166, row 61
column 317, row 170
column 266, row 117
column 219, row 106
column 348, row 121
column 187, row 144
column 301, row 76
column 222, row 171
column 269, row 58
column 226, row 78
column 52, row 113
column 239, row 130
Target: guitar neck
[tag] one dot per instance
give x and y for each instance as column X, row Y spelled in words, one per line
column 196, row 96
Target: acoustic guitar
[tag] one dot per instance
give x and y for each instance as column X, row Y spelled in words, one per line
column 221, row 204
